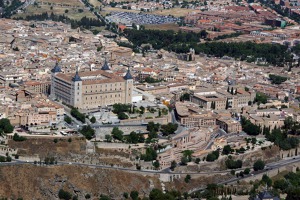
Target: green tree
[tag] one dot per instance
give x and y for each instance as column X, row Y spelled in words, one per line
column 68, row 119
column 168, row 129
column 62, row 194
column 249, row 127
column 133, row 138
column 227, row 104
column 156, row 164
column 275, row 79
column 293, row 194
column 8, row 159
column 246, row 171
column 266, row 180
column 281, row 184
column 259, row 165
column 173, row 165
column 188, row 154
column 187, row 178
column 156, row 194
column 118, row 108
column 88, row 132
column 108, row 138
column 77, row 115
column 142, row 109
column 260, row 98
column 5, row 126
column 151, row 126
column 227, row 150
column 18, row 138
column 104, row 197
column 122, row 116
column 125, row 195
column 232, row 164
column 212, row 156
column 184, row 160
column 117, row 134
column 149, row 155
column 93, row 119
column 134, row 195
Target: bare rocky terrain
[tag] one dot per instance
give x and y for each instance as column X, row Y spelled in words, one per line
column 39, row 182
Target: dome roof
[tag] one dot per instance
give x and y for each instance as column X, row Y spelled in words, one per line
column 105, row 66
column 128, row 75
column 76, row 77
column 56, row 68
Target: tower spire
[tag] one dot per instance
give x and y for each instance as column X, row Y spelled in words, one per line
column 128, row 75
column 76, row 77
column 105, row 65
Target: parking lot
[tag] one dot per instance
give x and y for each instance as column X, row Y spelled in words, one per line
column 138, row 18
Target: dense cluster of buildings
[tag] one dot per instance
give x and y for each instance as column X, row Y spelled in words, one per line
column 50, row 64
column 254, row 22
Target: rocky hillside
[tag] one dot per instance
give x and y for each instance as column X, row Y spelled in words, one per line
column 45, row 147
column 40, row 182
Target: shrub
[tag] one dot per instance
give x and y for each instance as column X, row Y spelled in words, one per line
column 18, row 138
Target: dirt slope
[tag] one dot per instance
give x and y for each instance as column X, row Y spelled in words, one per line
column 38, row 182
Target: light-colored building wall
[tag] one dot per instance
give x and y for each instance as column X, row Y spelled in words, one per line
column 92, row 89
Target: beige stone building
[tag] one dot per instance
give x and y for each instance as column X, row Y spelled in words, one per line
column 229, row 125
column 221, row 98
column 91, row 89
column 41, row 113
column 38, row 87
column 190, row 115
column 192, row 139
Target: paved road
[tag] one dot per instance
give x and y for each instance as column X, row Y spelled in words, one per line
column 268, row 167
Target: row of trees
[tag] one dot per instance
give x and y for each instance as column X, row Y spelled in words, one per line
column 290, row 185
column 132, row 138
column 135, row 138
column 249, row 127
column 281, row 139
column 233, row 164
column 5, row 158
column 166, row 129
column 274, row 54
column 162, row 39
column 77, row 115
column 155, row 194
column 278, row 136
